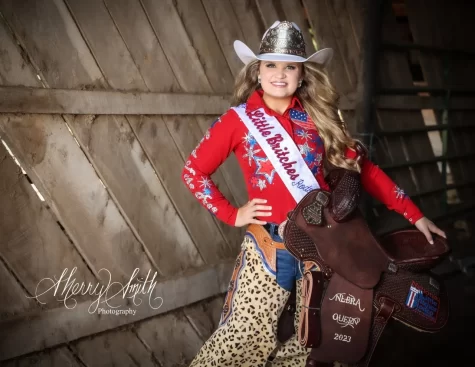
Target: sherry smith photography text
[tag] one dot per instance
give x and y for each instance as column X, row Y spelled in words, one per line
column 110, row 296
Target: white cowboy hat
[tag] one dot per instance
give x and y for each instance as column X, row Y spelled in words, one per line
column 283, row 41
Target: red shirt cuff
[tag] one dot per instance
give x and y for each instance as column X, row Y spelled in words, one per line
column 412, row 213
column 232, row 218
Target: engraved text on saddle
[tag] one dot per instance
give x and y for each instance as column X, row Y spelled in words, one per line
column 347, row 298
column 345, row 321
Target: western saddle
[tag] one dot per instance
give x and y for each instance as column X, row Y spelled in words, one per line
column 363, row 281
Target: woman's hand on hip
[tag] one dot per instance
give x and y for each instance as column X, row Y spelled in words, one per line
column 426, row 226
column 247, row 213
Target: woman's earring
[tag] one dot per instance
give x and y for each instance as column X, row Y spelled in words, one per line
column 300, row 83
column 259, row 79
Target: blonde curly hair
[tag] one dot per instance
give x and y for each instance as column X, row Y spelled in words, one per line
column 320, row 101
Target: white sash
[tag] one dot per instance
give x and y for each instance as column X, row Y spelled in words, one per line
column 281, row 151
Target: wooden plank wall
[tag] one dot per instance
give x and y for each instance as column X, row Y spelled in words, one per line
column 435, row 31
column 394, row 72
column 424, row 180
column 113, row 197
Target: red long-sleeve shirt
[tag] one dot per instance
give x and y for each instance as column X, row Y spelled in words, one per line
column 229, row 134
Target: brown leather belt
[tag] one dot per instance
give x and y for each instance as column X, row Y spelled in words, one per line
column 263, row 237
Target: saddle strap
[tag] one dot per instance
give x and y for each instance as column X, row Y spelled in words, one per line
column 309, row 323
column 380, row 321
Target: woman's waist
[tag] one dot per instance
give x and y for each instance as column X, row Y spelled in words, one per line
column 266, row 235
column 277, row 217
column 282, row 203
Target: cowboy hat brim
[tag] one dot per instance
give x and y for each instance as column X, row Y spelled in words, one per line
column 246, row 55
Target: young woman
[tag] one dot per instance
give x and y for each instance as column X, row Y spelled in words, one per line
column 284, row 125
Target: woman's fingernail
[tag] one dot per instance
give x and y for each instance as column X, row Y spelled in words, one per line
column 431, row 242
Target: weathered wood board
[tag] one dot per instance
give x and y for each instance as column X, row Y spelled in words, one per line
column 58, row 167
column 394, row 72
column 60, row 357
column 163, row 334
column 32, row 243
column 124, row 166
column 205, row 316
column 106, row 44
column 439, row 70
column 116, row 348
column 226, row 29
column 250, row 21
column 198, row 28
column 86, row 102
column 35, row 23
column 13, row 68
column 325, row 36
column 12, row 291
column 268, row 12
column 143, row 45
column 165, row 18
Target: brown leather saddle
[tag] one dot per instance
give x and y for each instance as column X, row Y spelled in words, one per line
column 364, row 281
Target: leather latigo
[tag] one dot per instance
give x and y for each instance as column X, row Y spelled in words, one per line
column 309, row 323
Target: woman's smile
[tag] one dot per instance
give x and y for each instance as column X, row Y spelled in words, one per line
column 279, row 84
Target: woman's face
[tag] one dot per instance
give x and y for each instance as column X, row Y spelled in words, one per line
column 279, row 79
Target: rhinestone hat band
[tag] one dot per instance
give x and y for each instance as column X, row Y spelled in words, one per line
column 285, row 38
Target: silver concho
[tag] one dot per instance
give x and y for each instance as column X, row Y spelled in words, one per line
column 313, row 213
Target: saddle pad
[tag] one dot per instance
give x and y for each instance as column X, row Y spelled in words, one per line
column 421, row 299
column 346, row 322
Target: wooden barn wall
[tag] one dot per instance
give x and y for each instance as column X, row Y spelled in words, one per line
column 394, row 72
column 441, row 25
column 445, row 28
column 113, row 197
